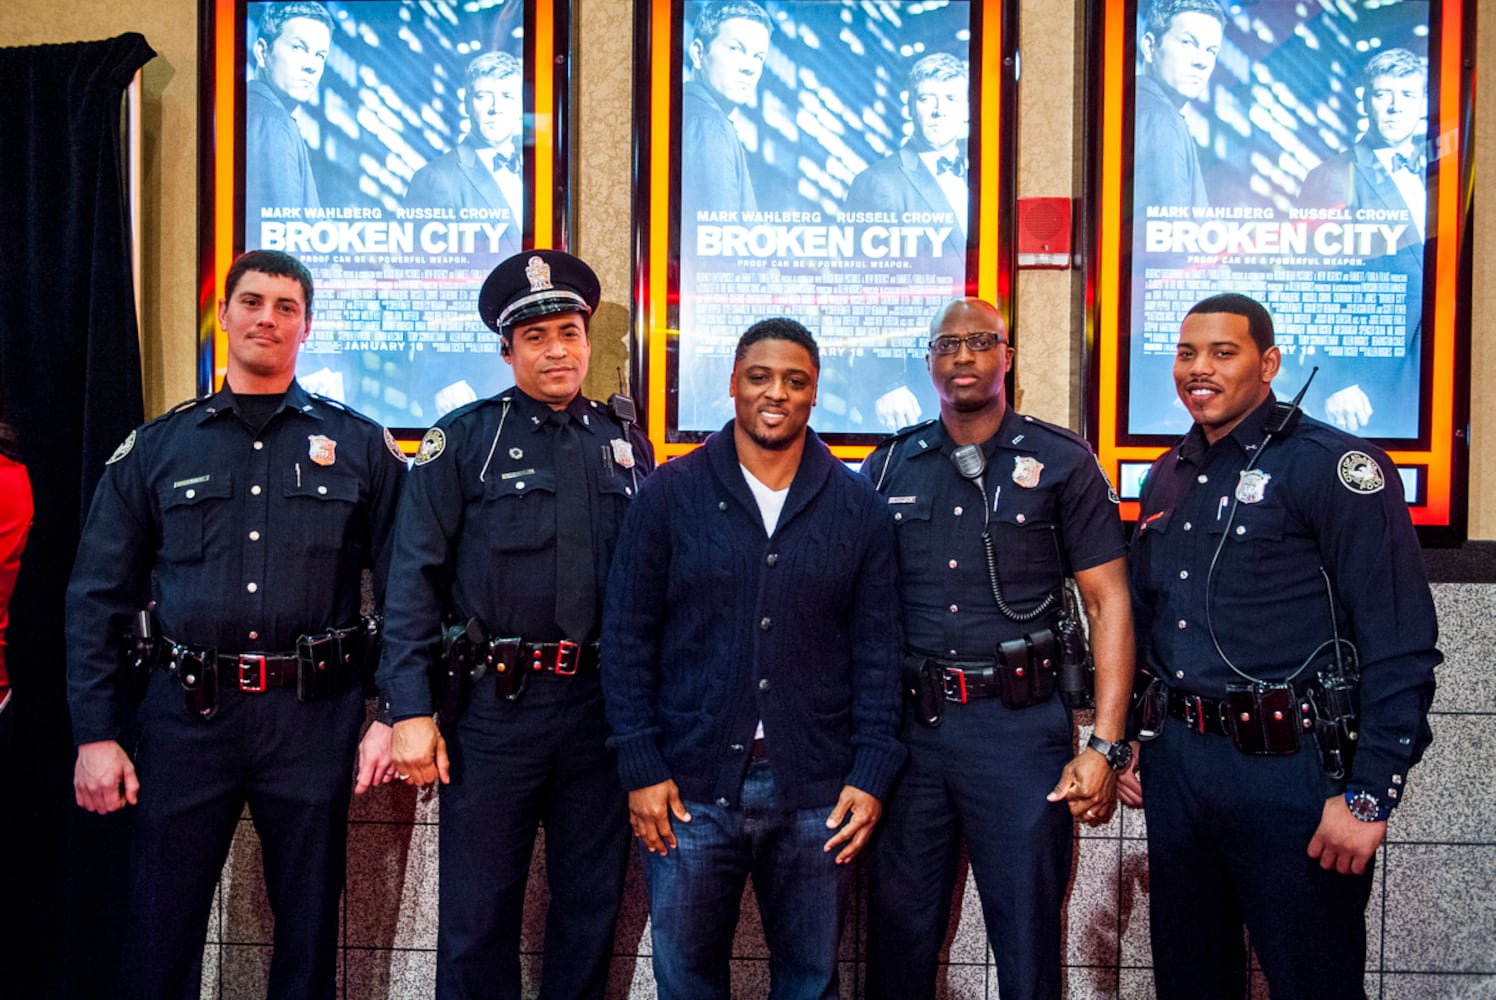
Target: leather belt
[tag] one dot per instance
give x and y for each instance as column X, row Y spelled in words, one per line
column 1201, row 713
column 256, row 672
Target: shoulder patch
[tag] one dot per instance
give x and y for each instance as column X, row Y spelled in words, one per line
column 123, row 449
column 1111, row 490
column 432, row 445
column 393, row 445
column 1360, row 473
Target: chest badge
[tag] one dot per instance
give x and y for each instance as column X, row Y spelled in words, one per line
column 1026, row 470
column 1360, row 473
column 623, row 452
column 322, row 449
column 516, row 453
column 1252, row 485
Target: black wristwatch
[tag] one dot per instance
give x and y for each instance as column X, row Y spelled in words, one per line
column 1365, row 806
column 1118, row 755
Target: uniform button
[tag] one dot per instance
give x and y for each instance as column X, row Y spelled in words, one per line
column 628, row 491
column 954, row 609
column 765, row 623
column 1187, row 526
column 1182, row 623
column 1179, row 674
column 1202, row 479
column 322, row 489
column 958, row 511
column 190, row 494
column 254, row 490
column 254, row 635
column 252, row 587
column 898, row 517
column 259, row 445
column 254, row 536
column 1391, row 793
column 1184, row 574
column 1019, row 518
column 737, row 748
column 721, row 504
column 763, row 684
column 951, row 653
column 520, row 485
column 1397, row 779
column 773, row 558
column 723, row 803
column 953, row 564
column 1241, row 529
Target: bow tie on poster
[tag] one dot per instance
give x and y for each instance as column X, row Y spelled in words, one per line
column 951, row 165
column 498, row 161
column 1412, row 164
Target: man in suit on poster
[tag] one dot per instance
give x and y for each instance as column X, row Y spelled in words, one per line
column 289, row 56
column 1179, row 45
column 1381, row 177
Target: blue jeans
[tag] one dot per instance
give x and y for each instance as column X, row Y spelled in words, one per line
column 696, row 890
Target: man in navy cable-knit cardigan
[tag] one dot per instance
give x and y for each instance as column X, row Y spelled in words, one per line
column 750, row 669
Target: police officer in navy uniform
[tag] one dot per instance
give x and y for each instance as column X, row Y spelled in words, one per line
column 1274, row 557
column 506, row 531
column 245, row 519
column 985, row 747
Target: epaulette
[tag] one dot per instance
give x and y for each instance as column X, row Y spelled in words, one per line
column 181, row 407
column 889, row 444
column 338, row 404
column 1056, row 429
column 904, row 432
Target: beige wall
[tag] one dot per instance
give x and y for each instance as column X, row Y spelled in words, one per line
column 1049, row 320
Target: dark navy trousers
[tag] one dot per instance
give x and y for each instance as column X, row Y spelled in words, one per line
column 983, row 773
column 1228, row 836
column 292, row 764
column 515, row 765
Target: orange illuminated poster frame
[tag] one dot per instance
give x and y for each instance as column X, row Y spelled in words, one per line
column 863, row 265
column 406, row 209
column 1284, row 111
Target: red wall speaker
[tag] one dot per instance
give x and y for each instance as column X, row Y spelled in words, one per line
column 1044, row 232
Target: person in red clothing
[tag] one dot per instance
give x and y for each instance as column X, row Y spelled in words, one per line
column 15, row 523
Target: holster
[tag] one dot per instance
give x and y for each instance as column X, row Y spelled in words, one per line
column 451, row 684
column 923, row 684
column 1077, row 681
column 196, row 669
column 139, row 649
column 1336, row 698
column 501, row 655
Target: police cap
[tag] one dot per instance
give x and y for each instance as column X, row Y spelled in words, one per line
column 537, row 283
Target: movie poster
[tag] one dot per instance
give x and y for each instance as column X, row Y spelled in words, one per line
column 823, row 176
column 1281, row 151
column 384, row 146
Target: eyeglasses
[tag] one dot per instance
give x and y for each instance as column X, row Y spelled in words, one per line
column 984, row 341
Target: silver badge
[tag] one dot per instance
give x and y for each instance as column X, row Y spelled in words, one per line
column 432, row 445
column 1360, row 473
column 516, row 453
column 623, row 453
column 322, row 449
column 1251, row 485
column 539, row 274
column 1026, row 470
column 123, row 449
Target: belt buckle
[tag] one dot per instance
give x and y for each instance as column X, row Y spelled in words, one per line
column 953, row 680
column 248, row 663
column 1194, row 712
column 567, row 657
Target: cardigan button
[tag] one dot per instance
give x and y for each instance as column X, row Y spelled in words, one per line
column 765, row 623
column 773, row 558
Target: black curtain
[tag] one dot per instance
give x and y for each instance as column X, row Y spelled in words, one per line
column 70, row 361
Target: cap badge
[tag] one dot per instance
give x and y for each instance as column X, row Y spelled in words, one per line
column 539, row 274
